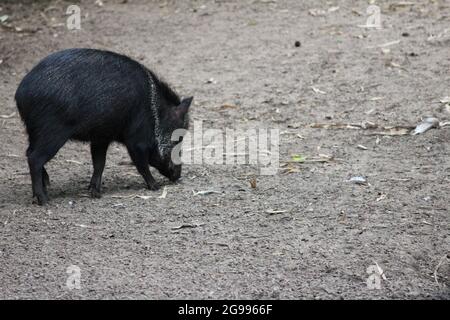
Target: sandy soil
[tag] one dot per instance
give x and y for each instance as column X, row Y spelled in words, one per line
column 329, row 232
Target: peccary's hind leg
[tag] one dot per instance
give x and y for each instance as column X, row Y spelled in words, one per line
column 45, row 178
column 140, row 155
column 98, row 153
column 39, row 153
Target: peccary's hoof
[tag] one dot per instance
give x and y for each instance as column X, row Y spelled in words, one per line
column 153, row 186
column 94, row 193
column 41, row 199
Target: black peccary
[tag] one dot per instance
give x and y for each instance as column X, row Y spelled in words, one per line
column 101, row 97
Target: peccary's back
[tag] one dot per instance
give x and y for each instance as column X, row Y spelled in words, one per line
column 90, row 92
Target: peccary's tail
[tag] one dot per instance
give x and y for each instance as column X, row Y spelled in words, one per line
column 21, row 100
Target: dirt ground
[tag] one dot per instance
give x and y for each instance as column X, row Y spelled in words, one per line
column 327, row 231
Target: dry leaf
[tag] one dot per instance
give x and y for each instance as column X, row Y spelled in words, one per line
column 425, row 125
column 358, row 180
column 317, row 12
column 445, row 100
column 290, row 169
column 333, row 9
column 318, row 90
column 298, row 158
column 396, row 65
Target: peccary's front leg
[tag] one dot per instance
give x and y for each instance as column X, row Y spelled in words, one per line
column 140, row 156
column 98, row 153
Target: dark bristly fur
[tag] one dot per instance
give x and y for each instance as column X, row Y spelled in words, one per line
column 100, row 97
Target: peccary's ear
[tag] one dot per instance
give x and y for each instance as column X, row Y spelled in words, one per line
column 186, row 102
column 183, row 107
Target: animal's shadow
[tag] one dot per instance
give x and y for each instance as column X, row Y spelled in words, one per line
column 75, row 187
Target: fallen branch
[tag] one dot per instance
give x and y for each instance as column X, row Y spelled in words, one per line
column 422, row 127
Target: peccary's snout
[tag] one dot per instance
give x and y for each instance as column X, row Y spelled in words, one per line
column 174, row 172
column 168, row 169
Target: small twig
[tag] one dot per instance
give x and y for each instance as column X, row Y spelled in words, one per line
column 380, row 271
column 219, row 244
column 205, row 192
column 118, row 196
column 187, row 225
column 7, row 116
column 164, row 194
column 272, row 212
column 441, row 261
column 74, row 161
